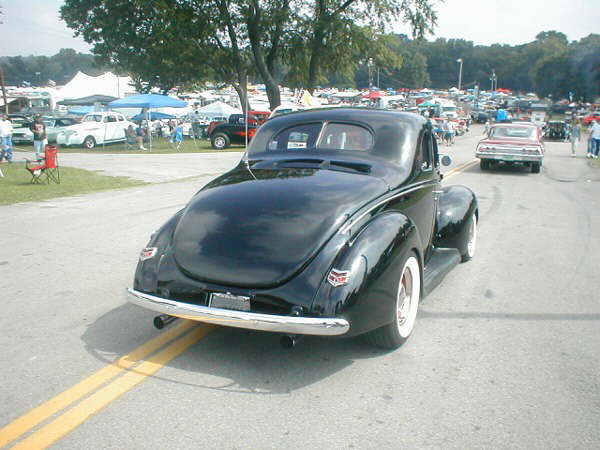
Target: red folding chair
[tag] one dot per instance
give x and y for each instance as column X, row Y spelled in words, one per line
column 46, row 170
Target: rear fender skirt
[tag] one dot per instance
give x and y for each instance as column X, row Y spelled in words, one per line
column 373, row 260
column 455, row 205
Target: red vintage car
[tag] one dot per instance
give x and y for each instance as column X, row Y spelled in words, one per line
column 512, row 143
column 591, row 117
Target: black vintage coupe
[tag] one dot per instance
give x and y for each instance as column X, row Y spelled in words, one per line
column 334, row 224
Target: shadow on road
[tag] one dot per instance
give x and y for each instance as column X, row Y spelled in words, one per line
column 232, row 359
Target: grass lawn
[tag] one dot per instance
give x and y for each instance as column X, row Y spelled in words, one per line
column 16, row 185
column 158, row 146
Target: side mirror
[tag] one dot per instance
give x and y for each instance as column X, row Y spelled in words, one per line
column 446, row 160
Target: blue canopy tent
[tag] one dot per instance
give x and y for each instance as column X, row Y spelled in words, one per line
column 154, row 115
column 81, row 110
column 147, row 101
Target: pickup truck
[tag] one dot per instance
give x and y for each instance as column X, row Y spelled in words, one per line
column 223, row 134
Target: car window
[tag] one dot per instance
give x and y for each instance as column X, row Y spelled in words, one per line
column 343, row 136
column 49, row 123
column 93, row 118
column 299, row 137
column 335, row 136
column 424, row 157
column 110, row 119
column 120, row 118
column 512, row 132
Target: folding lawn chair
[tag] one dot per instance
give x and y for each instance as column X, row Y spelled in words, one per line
column 47, row 169
column 130, row 143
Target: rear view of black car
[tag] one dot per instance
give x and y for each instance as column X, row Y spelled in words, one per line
column 334, row 223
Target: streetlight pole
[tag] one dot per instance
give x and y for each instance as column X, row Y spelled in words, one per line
column 460, row 60
column 370, row 73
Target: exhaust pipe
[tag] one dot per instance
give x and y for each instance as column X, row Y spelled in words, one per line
column 163, row 320
column 289, row 341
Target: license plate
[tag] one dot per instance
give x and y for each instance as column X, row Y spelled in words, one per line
column 229, row 301
column 509, row 157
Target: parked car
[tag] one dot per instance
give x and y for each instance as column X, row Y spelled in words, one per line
column 556, row 130
column 333, row 223
column 21, row 132
column 591, row 118
column 512, row 143
column 95, row 129
column 479, row 116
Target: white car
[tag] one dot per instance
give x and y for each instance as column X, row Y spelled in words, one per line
column 96, row 129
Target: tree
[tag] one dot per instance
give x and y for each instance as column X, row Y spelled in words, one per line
column 164, row 42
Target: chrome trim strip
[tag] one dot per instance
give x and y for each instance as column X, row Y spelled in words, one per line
column 345, row 228
column 486, row 155
column 241, row 319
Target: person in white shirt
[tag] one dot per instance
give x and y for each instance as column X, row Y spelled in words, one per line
column 6, row 130
column 595, row 135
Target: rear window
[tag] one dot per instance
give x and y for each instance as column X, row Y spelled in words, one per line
column 512, row 132
column 331, row 136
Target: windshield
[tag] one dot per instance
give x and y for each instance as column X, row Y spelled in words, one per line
column 513, row 132
column 93, row 118
column 316, row 136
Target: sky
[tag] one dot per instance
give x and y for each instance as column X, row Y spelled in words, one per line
column 33, row 27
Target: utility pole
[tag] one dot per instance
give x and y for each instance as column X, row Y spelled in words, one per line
column 378, row 86
column 3, row 89
column 370, row 65
column 460, row 61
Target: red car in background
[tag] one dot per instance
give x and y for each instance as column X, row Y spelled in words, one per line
column 591, row 117
column 512, row 143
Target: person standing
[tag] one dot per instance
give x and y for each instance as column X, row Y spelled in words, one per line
column 574, row 136
column 6, row 130
column 595, row 136
column 40, row 137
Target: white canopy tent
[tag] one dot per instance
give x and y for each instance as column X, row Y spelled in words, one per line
column 218, row 109
column 82, row 85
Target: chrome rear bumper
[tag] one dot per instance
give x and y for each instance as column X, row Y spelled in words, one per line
column 509, row 157
column 241, row 319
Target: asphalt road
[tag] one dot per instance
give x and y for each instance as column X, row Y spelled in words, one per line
column 505, row 353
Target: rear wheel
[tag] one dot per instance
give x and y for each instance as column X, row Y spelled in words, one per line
column 484, row 164
column 408, row 296
column 89, row 142
column 535, row 167
column 468, row 251
column 220, row 141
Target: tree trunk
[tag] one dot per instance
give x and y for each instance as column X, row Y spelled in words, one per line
column 315, row 58
column 242, row 91
column 273, row 93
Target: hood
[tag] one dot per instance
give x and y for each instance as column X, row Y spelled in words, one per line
column 259, row 228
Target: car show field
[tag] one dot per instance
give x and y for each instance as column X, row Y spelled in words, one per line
column 504, row 353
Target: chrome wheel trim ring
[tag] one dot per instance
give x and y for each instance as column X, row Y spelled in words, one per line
column 219, row 142
column 407, row 299
column 472, row 244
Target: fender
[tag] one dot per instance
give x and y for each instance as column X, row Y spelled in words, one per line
column 456, row 205
column 145, row 279
column 373, row 259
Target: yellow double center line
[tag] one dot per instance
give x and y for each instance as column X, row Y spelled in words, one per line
column 74, row 417
column 460, row 168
